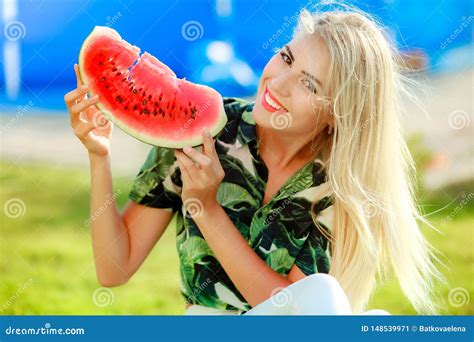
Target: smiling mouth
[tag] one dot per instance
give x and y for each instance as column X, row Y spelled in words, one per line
column 270, row 103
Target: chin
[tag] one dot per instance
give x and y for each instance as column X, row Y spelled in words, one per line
column 261, row 116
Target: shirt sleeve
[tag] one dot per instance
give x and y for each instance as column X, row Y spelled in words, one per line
column 158, row 184
column 314, row 256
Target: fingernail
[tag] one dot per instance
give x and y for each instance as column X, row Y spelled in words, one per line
column 206, row 131
column 187, row 149
column 95, row 97
column 83, row 87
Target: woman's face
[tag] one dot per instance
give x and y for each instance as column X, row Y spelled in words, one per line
column 289, row 96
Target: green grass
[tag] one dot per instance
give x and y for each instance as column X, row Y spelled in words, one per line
column 46, row 261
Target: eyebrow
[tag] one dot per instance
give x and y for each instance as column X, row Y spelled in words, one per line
column 312, row 77
column 302, row 71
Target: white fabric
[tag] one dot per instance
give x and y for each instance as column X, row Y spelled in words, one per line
column 317, row 294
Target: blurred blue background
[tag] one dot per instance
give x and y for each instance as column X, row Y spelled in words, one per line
column 222, row 43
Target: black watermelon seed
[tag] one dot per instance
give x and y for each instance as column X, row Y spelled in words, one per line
column 140, row 89
column 135, row 107
column 102, row 79
column 161, row 97
column 145, row 111
column 156, row 103
column 106, row 86
column 144, row 102
column 114, row 69
column 135, row 91
column 149, row 97
column 155, row 112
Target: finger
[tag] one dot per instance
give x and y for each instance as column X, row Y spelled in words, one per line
column 78, row 75
column 190, row 165
column 184, row 171
column 208, row 143
column 84, row 104
column 75, row 94
column 197, row 156
column 81, row 131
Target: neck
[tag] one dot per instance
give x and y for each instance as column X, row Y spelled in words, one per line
column 282, row 150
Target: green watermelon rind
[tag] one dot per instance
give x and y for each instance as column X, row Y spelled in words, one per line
column 195, row 141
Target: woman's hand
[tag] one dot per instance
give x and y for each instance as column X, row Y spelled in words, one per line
column 201, row 173
column 89, row 124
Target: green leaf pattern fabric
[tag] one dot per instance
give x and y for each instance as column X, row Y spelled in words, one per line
column 280, row 232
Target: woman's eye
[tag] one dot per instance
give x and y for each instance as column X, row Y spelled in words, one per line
column 308, row 84
column 286, row 58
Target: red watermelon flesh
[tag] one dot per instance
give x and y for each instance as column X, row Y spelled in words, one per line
column 143, row 96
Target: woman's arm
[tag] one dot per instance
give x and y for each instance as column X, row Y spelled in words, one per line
column 202, row 174
column 121, row 242
column 251, row 275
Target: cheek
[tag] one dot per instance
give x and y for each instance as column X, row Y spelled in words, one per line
column 303, row 102
column 272, row 68
column 307, row 109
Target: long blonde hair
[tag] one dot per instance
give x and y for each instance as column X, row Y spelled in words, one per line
column 369, row 167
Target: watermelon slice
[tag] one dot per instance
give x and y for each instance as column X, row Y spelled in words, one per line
column 143, row 97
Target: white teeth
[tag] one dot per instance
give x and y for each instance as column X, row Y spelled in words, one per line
column 272, row 103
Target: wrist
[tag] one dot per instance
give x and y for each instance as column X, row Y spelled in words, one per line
column 210, row 208
column 98, row 158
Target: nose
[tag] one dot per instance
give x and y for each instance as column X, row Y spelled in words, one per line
column 281, row 84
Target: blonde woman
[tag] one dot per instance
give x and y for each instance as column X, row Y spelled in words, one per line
column 298, row 204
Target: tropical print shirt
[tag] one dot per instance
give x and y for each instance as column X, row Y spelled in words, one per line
column 281, row 232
